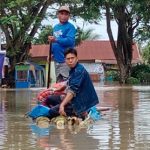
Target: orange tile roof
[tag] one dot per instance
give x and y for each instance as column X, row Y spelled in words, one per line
column 39, row 50
column 89, row 51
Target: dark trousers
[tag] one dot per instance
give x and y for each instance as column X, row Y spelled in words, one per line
column 53, row 102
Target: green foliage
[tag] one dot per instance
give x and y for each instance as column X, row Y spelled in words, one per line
column 141, row 8
column 143, row 33
column 113, row 74
column 146, row 54
column 20, row 20
column 88, row 35
column 87, row 9
column 8, row 19
column 146, row 77
column 141, row 72
column 43, row 35
column 132, row 80
column 85, row 35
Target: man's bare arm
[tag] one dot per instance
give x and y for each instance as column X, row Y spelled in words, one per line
column 65, row 101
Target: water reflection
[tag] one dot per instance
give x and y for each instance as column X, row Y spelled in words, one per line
column 125, row 126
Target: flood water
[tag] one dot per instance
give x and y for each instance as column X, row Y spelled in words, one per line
column 125, row 126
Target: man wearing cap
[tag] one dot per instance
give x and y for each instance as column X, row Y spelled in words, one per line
column 63, row 38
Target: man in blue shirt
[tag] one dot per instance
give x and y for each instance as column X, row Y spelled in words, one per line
column 63, row 38
column 80, row 93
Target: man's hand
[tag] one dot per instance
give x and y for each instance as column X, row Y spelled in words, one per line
column 49, row 58
column 62, row 110
column 51, row 39
column 64, row 102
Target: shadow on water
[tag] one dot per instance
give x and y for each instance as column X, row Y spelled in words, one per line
column 124, row 126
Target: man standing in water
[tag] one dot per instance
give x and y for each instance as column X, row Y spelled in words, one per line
column 63, row 38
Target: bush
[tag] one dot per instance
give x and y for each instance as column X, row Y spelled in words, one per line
column 113, row 75
column 141, row 72
column 145, row 77
column 132, row 80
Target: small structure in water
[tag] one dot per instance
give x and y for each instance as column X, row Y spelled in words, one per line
column 29, row 75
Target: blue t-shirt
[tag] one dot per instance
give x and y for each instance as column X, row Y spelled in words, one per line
column 65, row 38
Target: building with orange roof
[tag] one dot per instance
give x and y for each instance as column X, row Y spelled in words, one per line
column 90, row 53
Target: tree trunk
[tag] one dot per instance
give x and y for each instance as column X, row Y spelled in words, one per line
column 124, row 72
column 123, row 47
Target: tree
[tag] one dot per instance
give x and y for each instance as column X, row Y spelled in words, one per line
column 83, row 35
column 20, row 20
column 128, row 14
column 42, row 37
column 146, row 54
